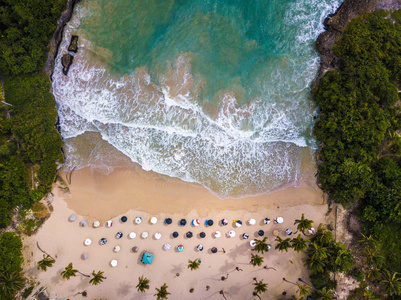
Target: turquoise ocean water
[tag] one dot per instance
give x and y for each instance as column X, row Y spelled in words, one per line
column 213, row 92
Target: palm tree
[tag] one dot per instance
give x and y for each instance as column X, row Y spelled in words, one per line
column 46, row 262
column 367, row 241
column 298, row 243
column 69, row 272
column 162, row 292
column 317, row 252
column 261, row 245
column 304, row 290
column 315, row 264
column 97, row 278
column 283, row 244
column 193, row 264
column 303, row 224
column 322, row 236
column 260, row 287
column 11, row 282
column 256, row 260
column 325, row 294
column 373, row 258
column 391, row 282
column 143, row 284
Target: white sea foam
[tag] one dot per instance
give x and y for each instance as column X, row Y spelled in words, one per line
column 253, row 148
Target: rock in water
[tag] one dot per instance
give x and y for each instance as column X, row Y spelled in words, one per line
column 66, row 61
column 73, row 47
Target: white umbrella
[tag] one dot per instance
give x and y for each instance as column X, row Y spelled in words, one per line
column 138, row 220
column 132, row 235
column 217, row 234
column 231, row 233
column 279, row 220
column 153, row 220
column 311, row 231
column 73, row 218
column 195, row 222
column 167, row 246
column 252, row 243
column 88, row 242
column 113, row 263
column 96, row 224
column 158, row 235
column 83, row 223
column 252, row 222
column 109, row 223
column 84, row 256
column 117, row 249
column 144, row 235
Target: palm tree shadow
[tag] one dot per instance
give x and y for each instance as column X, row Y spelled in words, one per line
column 177, row 269
column 124, row 289
column 56, row 279
column 84, row 282
column 238, row 251
column 228, row 266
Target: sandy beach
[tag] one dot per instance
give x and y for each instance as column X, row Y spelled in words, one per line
column 93, row 196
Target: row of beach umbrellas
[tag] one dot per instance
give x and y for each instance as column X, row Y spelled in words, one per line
column 157, row 236
column 182, row 222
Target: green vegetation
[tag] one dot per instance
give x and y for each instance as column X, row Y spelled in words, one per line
column 143, row 284
column 324, row 255
column 283, row 245
column 259, row 287
column 69, row 272
column 162, row 292
column 97, row 278
column 303, row 224
column 359, row 131
column 46, row 262
column 29, row 143
column 193, row 264
column 256, row 260
column 11, row 279
column 261, row 245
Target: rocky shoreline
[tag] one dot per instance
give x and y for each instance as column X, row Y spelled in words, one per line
column 58, row 36
column 335, row 25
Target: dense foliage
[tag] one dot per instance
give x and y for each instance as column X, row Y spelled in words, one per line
column 29, row 143
column 30, row 146
column 359, row 127
column 10, row 264
column 25, row 28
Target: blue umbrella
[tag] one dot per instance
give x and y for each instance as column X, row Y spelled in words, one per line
column 168, row 221
column 245, row 236
column 175, row 234
column 124, row 219
column 103, row 241
column 210, row 222
column 261, row 233
column 180, row 248
column 183, row 222
column 202, row 235
column 214, row 250
column 189, row 234
column 119, row 235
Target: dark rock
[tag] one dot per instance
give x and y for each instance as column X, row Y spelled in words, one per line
column 66, row 61
column 58, row 35
column 73, row 47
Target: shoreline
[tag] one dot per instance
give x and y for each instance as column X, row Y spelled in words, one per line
column 90, row 192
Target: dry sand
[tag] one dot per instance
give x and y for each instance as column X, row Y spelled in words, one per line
column 127, row 192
